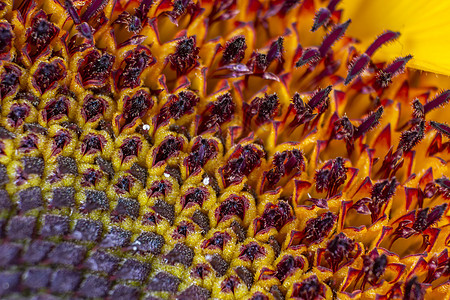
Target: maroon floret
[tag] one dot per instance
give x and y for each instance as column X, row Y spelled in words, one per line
column 287, row 266
column 218, row 112
column 194, row 196
column 309, row 289
column 234, row 50
column 274, row 216
column 185, row 56
column 264, row 109
column 47, row 75
column 132, row 67
column 241, row 163
column 40, row 34
column 338, row 250
column 232, row 206
column 168, row 148
column 202, row 151
column 95, row 68
column 9, row 80
column 252, row 251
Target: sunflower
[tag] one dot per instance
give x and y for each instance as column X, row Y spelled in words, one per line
column 236, row 149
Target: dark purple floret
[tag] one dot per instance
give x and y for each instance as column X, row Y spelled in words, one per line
column 202, row 151
column 95, row 68
column 338, row 250
column 121, row 291
column 9, row 254
column 65, row 281
column 9, row 80
column 230, row 284
column 414, row 290
column 219, row 264
column 10, row 280
column 309, row 56
column 47, row 75
column 6, row 36
column 331, row 176
column 382, row 192
column 241, row 163
column 344, row 130
column 426, row 218
column 94, row 286
column 168, row 148
column 55, row 225
column 218, row 240
column 384, row 38
column 185, row 56
column 437, row 101
column 67, row 253
column 92, row 143
column 136, row 106
column 317, row 229
column 374, row 266
column 320, row 98
column 321, row 18
column 132, row 22
column 36, row 278
column 303, row 112
column 287, row 266
column 133, row 270
column 37, row 251
column 165, row 210
column 149, row 242
column 283, row 164
column 410, row 138
column 232, row 206
column 93, row 108
column 357, row 66
column 93, row 9
column 164, row 281
column 87, row 230
column 245, row 275
column 95, row 200
column 178, row 106
column 116, row 237
column 40, row 34
column 274, row 216
column 194, row 196
column 130, row 148
column 91, row 177
column 56, row 109
column 442, row 128
column 276, row 50
column 309, row 289
column 194, row 292
column 200, row 271
column 132, row 67
column 102, row 262
column 264, row 108
column 384, row 77
column 234, row 50
column 126, row 207
column 252, row 251
column 218, row 112
column 28, row 143
column 443, row 184
column 30, row 198
column 180, row 254
column 369, row 123
column 17, row 114
column 335, row 34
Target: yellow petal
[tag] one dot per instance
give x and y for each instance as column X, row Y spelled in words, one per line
column 424, row 27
